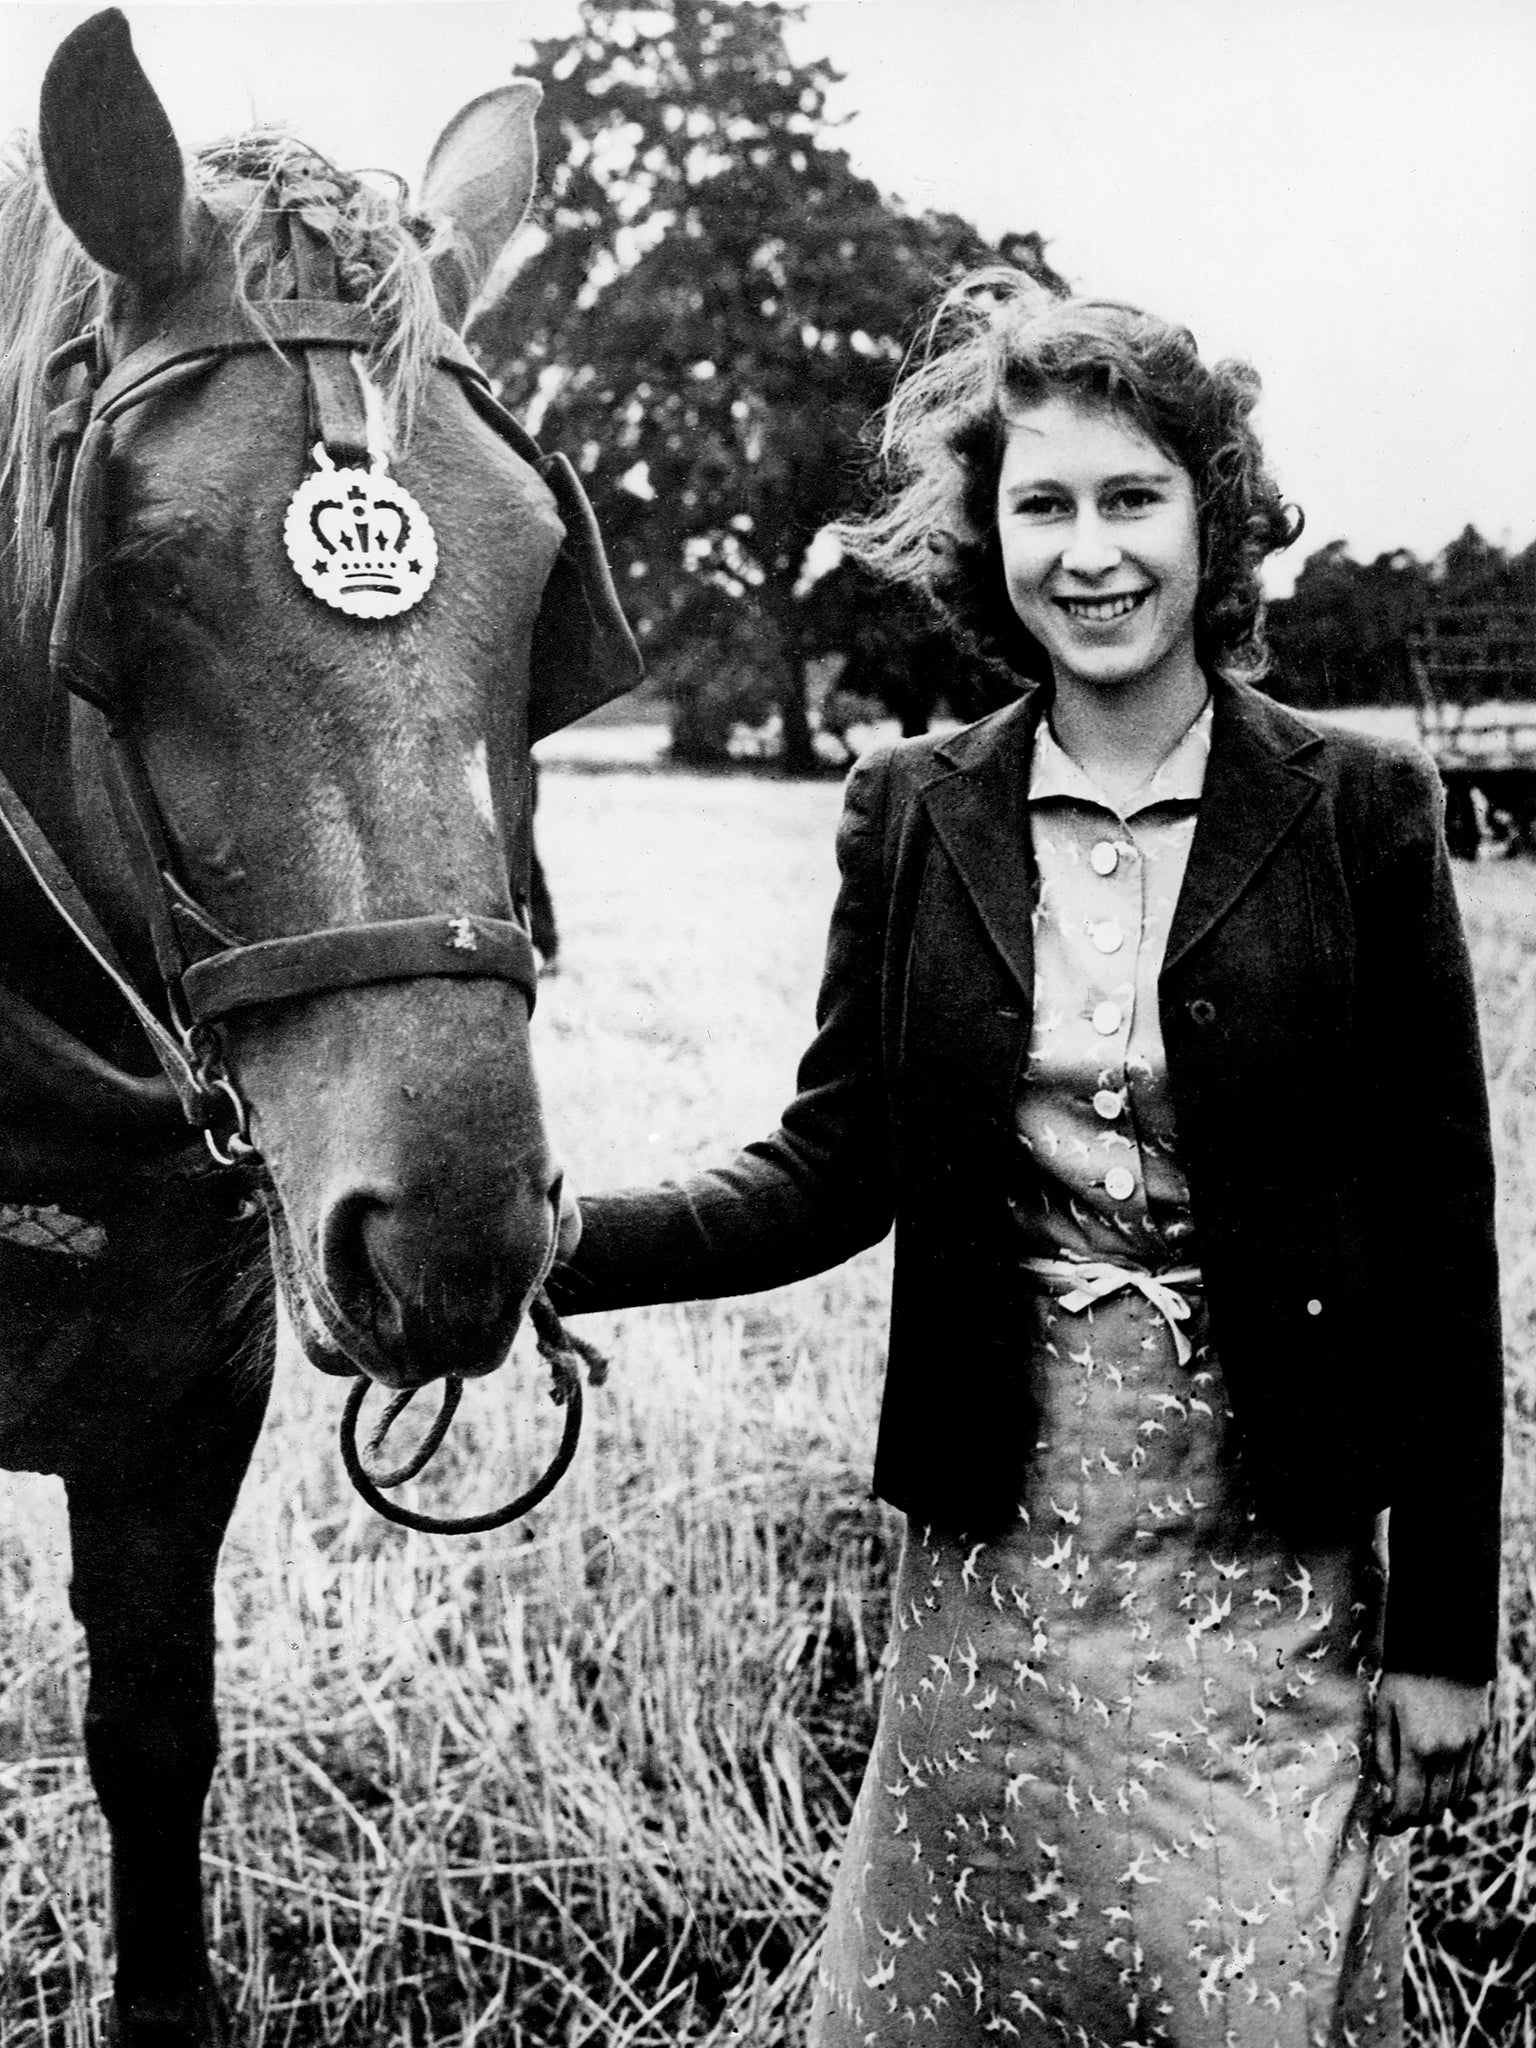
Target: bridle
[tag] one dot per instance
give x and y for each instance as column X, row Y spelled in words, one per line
column 210, row 973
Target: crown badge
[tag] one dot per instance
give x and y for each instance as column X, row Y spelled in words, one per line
column 359, row 541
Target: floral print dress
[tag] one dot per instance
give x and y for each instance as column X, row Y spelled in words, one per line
column 1118, row 1791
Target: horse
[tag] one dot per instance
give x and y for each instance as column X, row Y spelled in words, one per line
column 285, row 600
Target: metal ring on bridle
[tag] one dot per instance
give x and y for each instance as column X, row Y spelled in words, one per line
column 237, row 1147
column 456, row 1525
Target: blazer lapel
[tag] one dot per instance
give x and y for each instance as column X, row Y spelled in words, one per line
column 1255, row 790
column 980, row 814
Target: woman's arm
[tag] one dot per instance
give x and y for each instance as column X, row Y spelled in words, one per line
column 1433, row 1217
column 1443, row 1389
column 815, row 1192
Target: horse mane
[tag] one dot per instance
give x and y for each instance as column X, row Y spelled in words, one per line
column 52, row 287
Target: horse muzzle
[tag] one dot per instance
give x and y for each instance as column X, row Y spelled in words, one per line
column 416, row 1296
column 366, row 1304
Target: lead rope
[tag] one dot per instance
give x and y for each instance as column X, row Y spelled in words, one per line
column 565, row 1356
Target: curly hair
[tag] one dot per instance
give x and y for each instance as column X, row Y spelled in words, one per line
column 1000, row 343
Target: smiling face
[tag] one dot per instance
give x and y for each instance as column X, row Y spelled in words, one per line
column 1101, row 547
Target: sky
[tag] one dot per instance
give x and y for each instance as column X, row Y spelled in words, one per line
column 1342, row 192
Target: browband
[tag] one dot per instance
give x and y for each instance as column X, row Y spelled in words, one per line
column 275, row 324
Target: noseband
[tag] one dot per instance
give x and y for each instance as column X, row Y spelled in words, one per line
column 209, row 972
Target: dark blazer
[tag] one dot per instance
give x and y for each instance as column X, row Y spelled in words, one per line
column 1322, row 1043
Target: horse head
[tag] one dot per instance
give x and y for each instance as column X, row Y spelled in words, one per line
column 300, row 774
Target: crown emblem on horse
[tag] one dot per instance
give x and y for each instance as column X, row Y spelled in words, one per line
column 360, row 542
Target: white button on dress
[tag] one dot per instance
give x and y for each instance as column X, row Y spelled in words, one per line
column 1107, row 936
column 1106, row 1018
column 1119, row 1184
column 1104, row 858
column 1108, row 1102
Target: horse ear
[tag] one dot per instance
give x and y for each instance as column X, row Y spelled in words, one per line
column 110, row 155
column 480, row 178
column 583, row 650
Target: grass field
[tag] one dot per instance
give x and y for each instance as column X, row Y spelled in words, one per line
column 583, row 1781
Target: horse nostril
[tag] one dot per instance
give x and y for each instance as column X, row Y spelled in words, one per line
column 357, row 1271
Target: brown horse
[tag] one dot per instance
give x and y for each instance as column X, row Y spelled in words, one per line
column 287, row 831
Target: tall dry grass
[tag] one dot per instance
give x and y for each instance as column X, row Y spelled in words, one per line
column 583, row 1781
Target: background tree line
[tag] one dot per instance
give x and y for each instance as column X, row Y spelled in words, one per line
column 712, row 310
column 1367, row 632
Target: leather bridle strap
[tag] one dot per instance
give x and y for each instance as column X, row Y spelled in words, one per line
column 338, row 417
column 63, row 892
column 356, row 956
column 278, row 325
column 69, row 645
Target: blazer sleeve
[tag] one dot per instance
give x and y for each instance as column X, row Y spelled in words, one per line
column 1444, row 1377
column 820, row 1188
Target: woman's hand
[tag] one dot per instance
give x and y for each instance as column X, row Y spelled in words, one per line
column 1429, row 1733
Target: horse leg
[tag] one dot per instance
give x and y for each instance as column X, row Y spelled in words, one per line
column 145, row 1547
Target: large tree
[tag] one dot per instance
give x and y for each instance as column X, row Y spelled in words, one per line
column 718, row 308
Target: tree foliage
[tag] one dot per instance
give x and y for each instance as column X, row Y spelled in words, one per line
column 719, row 306
column 1343, row 637
column 1464, row 625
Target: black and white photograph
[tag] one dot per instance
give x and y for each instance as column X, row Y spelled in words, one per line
column 767, row 1024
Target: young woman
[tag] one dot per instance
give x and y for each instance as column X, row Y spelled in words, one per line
column 1148, row 1020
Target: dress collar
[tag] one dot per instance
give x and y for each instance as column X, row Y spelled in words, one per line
column 1178, row 778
